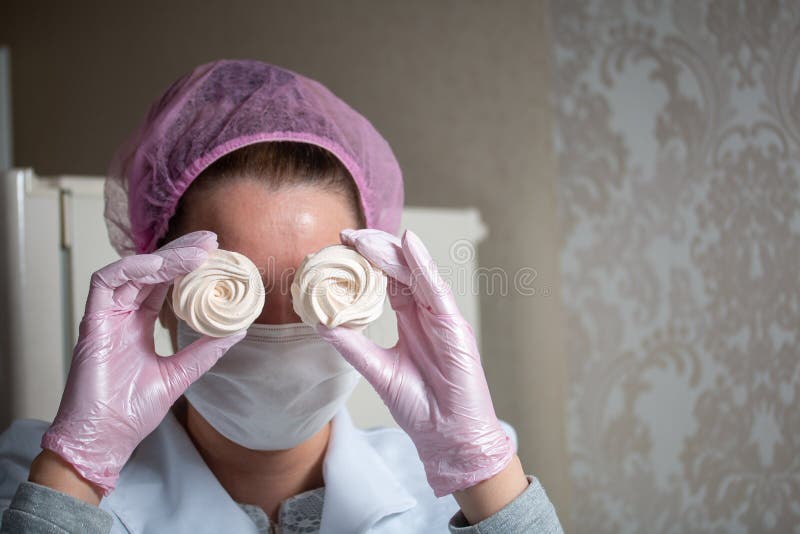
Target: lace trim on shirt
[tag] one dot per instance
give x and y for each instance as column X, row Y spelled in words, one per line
column 300, row 514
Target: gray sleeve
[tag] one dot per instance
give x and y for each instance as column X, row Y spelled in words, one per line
column 531, row 512
column 37, row 509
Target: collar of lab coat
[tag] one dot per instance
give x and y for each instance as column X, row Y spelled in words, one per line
column 360, row 488
column 167, row 487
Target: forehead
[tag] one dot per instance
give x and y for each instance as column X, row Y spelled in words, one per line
column 262, row 222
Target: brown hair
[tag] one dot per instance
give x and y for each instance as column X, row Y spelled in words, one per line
column 277, row 164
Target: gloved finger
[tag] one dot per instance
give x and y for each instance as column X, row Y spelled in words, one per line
column 416, row 338
column 183, row 255
column 400, row 297
column 382, row 249
column 106, row 280
column 427, row 284
column 125, row 270
column 375, row 363
column 194, row 360
column 136, row 296
column 151, row 298
column 204, row 239
column 127, row 296
column 176, row 257
column 348, row 236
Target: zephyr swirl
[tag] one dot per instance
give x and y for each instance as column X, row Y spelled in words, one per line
column 337, row 286
column 222, row 296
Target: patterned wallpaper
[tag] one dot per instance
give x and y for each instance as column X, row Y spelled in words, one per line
column 678, row 142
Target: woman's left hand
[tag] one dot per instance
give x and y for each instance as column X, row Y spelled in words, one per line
column 432, row 379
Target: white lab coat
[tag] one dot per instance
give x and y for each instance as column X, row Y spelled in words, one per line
column 374, row 482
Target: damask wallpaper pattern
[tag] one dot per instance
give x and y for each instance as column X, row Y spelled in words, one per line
column 678, row 143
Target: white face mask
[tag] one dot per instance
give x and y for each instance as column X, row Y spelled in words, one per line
column 274, row 389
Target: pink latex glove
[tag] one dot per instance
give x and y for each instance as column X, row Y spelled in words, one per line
column 118, row 389
column 432, row 379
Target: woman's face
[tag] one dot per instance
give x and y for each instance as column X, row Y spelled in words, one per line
column 276, row 229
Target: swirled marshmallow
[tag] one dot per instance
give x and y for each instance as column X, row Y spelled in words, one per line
column 223, row 295
column 337, row 286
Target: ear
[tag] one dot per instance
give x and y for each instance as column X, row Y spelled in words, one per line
column 168, row 320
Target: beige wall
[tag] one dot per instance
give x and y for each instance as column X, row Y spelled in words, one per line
column 680, row 181
column 459, row 88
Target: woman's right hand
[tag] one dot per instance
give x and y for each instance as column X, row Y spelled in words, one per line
column 118, row 389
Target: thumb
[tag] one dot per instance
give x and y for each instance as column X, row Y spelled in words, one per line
column 375, row 363
column 194, row 360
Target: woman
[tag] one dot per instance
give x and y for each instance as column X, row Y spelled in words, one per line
column 248, row 157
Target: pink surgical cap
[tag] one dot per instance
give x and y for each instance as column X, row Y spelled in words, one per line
column 225, row 105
